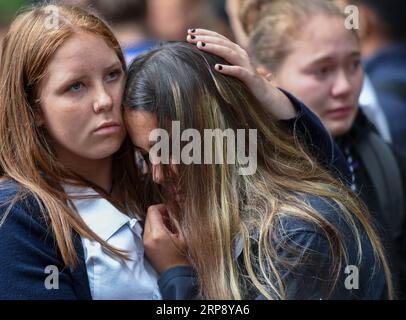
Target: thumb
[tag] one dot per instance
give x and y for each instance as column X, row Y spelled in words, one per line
column 154, row 219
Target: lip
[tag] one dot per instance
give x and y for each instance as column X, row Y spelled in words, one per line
column 341, row 112
column 108, row 127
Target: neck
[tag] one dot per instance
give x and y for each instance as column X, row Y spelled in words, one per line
column 98, row 171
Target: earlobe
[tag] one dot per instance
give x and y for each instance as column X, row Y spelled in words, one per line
column 264, row 72
column 39, row 123
column 36, row 109
column 39, row 119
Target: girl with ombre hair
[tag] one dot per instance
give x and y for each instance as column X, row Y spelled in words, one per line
column 288, row 231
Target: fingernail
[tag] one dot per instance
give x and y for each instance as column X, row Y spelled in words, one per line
column 203, row 44
column 220, row 67
column 193, row 30
column 193, row 37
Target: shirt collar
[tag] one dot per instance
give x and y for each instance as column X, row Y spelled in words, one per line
column 99, row 214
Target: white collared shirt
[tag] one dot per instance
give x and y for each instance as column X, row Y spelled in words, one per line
column 111, row 277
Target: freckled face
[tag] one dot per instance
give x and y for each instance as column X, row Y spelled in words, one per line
column 81, row 98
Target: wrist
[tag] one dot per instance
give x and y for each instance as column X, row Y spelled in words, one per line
column 166, row 268
column 279, row 105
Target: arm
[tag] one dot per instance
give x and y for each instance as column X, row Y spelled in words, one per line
column 179, row 283
column 317, row 140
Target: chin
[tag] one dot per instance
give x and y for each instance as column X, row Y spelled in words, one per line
column 340, row 129
column 106, row 150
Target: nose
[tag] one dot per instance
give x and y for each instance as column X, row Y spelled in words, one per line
column 103, row 101
column 157, row 174
column 342, row 84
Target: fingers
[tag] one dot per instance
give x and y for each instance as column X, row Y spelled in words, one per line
column 159, row 220
column 212, row 39
column 205, row 32
column 157, row 230
column 219, row 45
column 155, row 226
column 154, row 220
column 163, row 248
column 214, row 43
column 236, row 71
column 232, row 56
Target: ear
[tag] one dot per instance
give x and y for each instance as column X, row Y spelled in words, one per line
column 264, row 72
column 38, row 116
column 39, row 121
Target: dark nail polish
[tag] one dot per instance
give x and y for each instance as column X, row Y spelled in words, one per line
column 193, row 37
column 220, row 67
column 203, row 44
column 193, row 30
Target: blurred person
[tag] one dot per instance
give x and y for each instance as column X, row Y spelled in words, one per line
column 170, row 19
column 128, row 20
column 233, row 9
column 383, row 46
column 308, row 50
column 79, row 3
column 370, row 105
column 253, row 10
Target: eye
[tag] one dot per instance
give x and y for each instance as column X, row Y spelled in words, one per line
column 355, row 64
column 76, row 87
column 322, row 71
column 113, row 75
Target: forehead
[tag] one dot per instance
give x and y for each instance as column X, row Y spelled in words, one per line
column 82, row 51
column 139, row 126
column 325, row 35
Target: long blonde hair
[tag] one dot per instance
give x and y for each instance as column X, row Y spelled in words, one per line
column 25, row 154
column 178, row 83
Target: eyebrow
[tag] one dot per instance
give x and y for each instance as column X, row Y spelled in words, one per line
column 325, row 58
column 114, row 65
column 72, row 77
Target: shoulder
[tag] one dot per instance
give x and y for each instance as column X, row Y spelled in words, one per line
column 19, row 208
column 27, row 248
column 22, row 226
column 315, row 257
column 325, row 208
